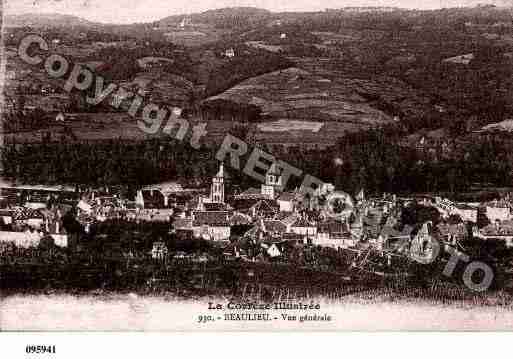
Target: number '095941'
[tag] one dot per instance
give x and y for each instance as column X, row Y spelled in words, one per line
column 40, row 349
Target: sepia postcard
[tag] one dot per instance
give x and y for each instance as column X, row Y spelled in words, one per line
column 256, row 166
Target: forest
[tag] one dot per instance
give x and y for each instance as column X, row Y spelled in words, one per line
column 375, row 160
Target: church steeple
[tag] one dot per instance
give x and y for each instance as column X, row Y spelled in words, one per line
column 217, row 191
column 273, row 183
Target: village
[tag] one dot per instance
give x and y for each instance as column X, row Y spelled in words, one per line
column 256, row 225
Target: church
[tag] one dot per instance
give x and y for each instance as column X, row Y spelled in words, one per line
column 211, row 219
column 271, row 189
column 217, row 188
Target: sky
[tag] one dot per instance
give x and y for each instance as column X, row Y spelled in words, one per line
column 130, row 11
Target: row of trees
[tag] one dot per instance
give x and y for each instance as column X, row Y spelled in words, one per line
column 375, row 160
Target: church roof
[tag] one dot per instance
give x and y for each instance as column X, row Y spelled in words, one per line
column 211, row 218
column 266, row 206
column 302, row 222
column 275, row 226
column 333, row 226
column 290, row 219
column 240, row 218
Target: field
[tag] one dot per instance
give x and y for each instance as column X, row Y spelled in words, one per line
column 296, row 93
column 85, row 127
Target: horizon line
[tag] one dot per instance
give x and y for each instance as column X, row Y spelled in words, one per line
column 7, row 14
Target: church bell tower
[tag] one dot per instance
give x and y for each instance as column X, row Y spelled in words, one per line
column 273, row 184
column 217, row 191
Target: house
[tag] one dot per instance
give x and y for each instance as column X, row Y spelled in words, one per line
column 334, row 234
column 229, row 53
column 59, row 117
column 464, row 59
column 211, row 225
column 273, row 251
column 60, row 240
column 356, row 228
column 451, row 233
column 288, row 219
column 274, row 227
column 392, row 236
column 360, row 197
column 250, row 193
column 184, row 232
column 304, row 227
column 27, row 217
column 423, row 244
column 256, row 233
column 498, row 230
column 158, row 195
column 286, row 201
column 466, row 212
column 6, row 216
column 324, row 189
column 267, row 229
column 240, row 219
column 182, row 223
column 85, row 207
column 273, row 182
column 264, row 208
column 294, row 239
column 185, row 22
column 159, row 250
column 498, row 211
column 22, row 239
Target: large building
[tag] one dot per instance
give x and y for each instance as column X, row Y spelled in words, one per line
column 217, row 188
column 271, row 189
column 273, row 183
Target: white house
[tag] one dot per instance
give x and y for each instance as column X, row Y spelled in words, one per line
column 497, row 211
column 229, row 53
column 29, row 217
column 304, row 227
column 273, row 251
column 60, row 240
column 84, row 206
column 466, row 212
column 286, row 202
column 159, row 250
column 6, row 215
column 25, row 239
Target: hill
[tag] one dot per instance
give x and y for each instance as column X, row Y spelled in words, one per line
column 232, row 17
column 45, row 20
